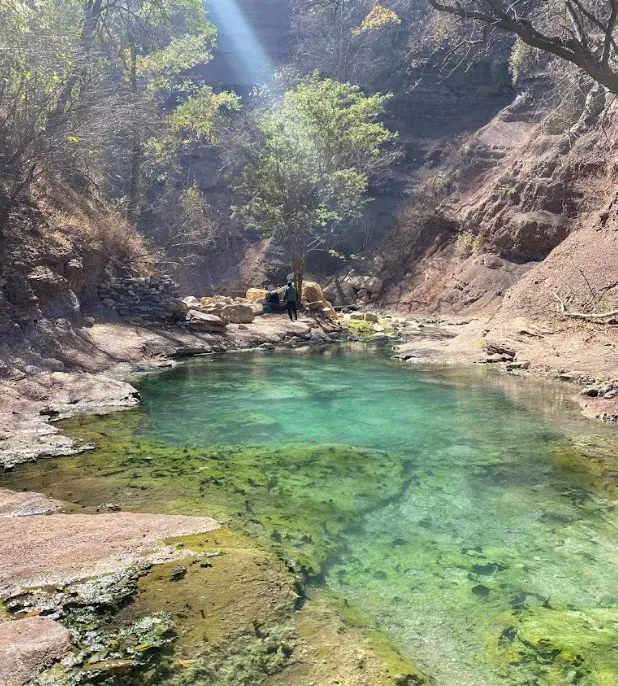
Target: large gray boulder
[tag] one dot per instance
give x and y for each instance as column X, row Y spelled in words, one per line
column 201, row 321
column 238, row 313
column 359, row 282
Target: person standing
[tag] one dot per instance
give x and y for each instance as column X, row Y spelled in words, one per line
column 291, row 298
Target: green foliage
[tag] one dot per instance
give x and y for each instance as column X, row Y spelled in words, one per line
column 199, row 116
column 197, row 120
column 468, row 243
column 83, row 85
column 161, row 67
column 378, row 17
column 523, row 57
column 308, row 172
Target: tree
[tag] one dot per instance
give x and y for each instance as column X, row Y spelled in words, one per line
column 582, row 32
column 308, row 172
column 154, row 43
column 85, row 85
column 345, row 39
column 179, row 219
column 33, row 68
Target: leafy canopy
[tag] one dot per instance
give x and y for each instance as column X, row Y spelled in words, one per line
column 308, row 173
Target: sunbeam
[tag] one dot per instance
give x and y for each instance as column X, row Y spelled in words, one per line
column 239, row 45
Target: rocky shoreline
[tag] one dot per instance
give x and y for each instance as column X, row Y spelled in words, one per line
column 119, row 353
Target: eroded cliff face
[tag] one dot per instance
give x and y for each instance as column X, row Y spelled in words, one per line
column 532, row 241
column 523, row 188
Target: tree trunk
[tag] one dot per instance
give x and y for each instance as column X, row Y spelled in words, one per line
column 298, row 266
column 136, row 149
column 92, row 15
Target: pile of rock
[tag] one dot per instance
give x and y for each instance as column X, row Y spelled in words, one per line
column 316, row 301
column 213, row 314
column 312, row 298
column 144, row 297
column 229, row 310
column 353, row 289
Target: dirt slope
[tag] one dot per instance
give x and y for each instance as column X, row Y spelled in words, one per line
column 535, row 211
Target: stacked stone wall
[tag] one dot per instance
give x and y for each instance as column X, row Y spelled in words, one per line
column 144, row 297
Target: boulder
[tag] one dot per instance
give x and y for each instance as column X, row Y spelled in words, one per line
column 371, row 317
column 216, row 309
column 312, row 292
column 340, row 292
column 237, row 314
column 371, row 284
column 202, row 321
column 492, row 261
column 357, row 316
column 47, row 283
column 191, row 302
column 256, row 295
column 216, row 301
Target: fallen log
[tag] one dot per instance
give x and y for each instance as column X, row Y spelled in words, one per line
column 583, row 315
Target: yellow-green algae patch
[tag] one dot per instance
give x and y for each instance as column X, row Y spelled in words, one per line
column 591, row 462
column 298, row 498
column 235, row 608
column 237, row 619
column 561, row 646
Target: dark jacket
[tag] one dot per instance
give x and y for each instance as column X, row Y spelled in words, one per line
column 291, row 295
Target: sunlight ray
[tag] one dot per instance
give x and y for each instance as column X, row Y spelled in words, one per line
column 239, row 43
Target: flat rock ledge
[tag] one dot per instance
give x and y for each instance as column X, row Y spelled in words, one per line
column 29, row 645
column 33, row 402
column 41, row 550
column 59, row 549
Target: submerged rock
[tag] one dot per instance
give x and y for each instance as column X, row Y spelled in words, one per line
column 178, row 573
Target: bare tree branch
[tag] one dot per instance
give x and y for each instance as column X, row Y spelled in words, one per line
column 590, row 50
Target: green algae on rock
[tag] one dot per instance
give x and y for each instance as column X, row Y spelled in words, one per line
column 299, row 499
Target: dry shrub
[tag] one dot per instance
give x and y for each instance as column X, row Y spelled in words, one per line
column 467, row 243
column 76, row 220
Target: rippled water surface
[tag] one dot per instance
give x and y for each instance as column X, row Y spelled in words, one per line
column 447, row 508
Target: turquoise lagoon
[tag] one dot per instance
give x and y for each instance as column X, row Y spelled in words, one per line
column 465, row 514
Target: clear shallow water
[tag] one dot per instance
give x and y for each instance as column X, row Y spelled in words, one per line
column 435, row 502
column 488, row 565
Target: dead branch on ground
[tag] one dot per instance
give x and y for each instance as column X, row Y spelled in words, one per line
column 583, row 315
